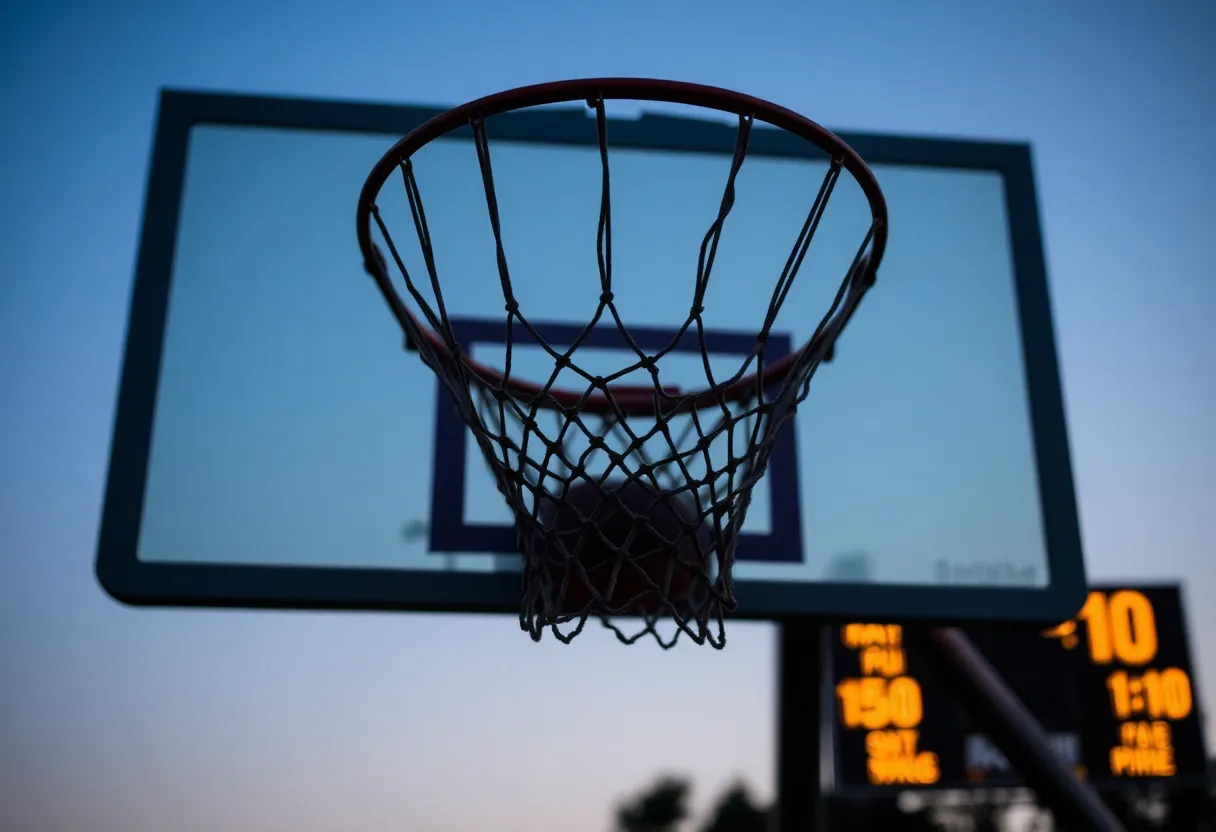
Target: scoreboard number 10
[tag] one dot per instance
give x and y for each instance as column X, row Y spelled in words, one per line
column 1120, row 627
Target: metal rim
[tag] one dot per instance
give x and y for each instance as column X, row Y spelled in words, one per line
column 626, row 399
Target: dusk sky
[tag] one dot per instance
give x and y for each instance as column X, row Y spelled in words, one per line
column 130, row 720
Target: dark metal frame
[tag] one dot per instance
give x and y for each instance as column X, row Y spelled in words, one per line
column 134, row 581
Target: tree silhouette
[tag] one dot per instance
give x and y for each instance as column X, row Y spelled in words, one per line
column 736, row 812
column 658, row 809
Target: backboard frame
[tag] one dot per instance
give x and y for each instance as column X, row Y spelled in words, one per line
column 133, row 581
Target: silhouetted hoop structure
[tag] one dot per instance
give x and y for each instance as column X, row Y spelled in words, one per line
column 673, row 469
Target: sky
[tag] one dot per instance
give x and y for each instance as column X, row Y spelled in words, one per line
column 123, row 719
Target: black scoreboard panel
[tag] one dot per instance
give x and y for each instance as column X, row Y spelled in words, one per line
column 1114, row 688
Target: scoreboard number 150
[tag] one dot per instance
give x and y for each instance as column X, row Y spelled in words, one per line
column 875, row 703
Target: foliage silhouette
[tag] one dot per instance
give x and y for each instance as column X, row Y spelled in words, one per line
column 658, row 809
column 736, row 812
column 664, row 805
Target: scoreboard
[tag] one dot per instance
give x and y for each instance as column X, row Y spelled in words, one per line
column 1113, row 688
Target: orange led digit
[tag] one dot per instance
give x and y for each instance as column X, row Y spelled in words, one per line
column 1096, row 628
column 906, row 706
column 1122, row 627
column 1120, row 694
column 1133, row 627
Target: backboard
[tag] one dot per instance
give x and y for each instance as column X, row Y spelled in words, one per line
column 276, row 445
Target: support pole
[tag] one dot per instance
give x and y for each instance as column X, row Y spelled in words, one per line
column 799, row 685
column 961, row 667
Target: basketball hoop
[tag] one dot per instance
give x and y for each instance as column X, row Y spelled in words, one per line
column 650, row 531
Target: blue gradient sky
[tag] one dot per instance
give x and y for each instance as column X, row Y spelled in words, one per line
column 117, row 719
